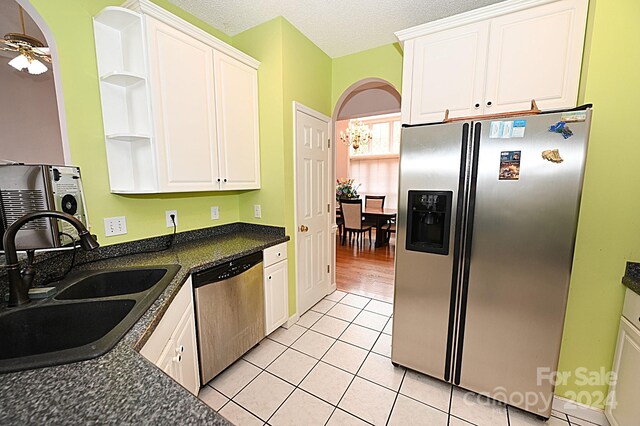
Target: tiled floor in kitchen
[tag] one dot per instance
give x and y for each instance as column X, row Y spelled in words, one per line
column 333, row 368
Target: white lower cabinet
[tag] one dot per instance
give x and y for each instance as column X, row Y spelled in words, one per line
column 622, row 404
column 276, row 287
column 172, row 346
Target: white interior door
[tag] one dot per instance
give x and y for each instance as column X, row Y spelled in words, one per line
column 312, row 206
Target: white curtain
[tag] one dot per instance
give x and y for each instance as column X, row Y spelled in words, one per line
column 378, row 177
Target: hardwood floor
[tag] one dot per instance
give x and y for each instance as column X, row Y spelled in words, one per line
column 367, row 271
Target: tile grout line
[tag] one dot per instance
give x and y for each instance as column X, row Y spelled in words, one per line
column 316, row 364
column 404, row 374
column 307, row 374
column 336, row 339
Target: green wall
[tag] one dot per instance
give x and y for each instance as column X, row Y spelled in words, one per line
column 609, row 226
column 71, row 25
column 292, row 69
column 383, row 62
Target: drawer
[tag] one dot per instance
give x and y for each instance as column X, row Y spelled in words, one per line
column 631, row 310
column 274, row 254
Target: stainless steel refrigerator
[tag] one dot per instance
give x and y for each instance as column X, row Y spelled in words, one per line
column 486, row 227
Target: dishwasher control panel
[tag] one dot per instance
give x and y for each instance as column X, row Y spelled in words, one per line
column 226, row 270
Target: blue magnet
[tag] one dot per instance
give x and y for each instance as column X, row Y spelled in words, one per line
column 562, row 128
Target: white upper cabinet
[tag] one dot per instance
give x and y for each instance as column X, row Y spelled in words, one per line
column 181, row 75
column 237, row 104
column 448, row 72
column 180, row 107
column 493, row 60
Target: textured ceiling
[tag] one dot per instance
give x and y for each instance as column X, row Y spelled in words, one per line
column 338, row 27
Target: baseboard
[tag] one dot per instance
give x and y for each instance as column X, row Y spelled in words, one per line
column 582, row 411
column 332, row 288
column 292, row 320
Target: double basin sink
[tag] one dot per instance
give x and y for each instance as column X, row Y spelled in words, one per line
column 89, row 314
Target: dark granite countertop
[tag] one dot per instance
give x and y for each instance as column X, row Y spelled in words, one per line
column 631, row 276
column 121, row 387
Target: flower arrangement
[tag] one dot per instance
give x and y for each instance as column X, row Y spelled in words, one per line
column 346, row 189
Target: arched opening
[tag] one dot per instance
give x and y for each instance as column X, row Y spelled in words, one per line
column 367, row 268
column 32, row 122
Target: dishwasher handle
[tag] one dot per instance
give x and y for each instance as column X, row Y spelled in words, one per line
column 226, row 270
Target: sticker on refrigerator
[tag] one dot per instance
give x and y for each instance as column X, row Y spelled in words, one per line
column 509, row 165
column 507, row 129
column 573, row 116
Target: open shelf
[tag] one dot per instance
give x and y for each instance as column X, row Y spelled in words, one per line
column 122, row 79
column 127, row 137
column 117, row 17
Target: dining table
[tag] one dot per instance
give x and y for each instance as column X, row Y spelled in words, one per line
column 380, row 217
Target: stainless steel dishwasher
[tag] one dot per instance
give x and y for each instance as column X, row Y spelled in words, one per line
column 229, row 301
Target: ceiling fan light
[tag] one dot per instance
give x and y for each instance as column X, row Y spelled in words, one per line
column 36, row 67
column 20, row 62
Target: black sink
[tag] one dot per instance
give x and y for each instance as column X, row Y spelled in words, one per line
column 51, row 328
column 113, row 283
column 92, row 312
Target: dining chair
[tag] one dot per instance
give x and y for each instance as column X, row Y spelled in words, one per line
column 340, row 223
column 389, row 228
column 353, row 225
column 374, row 201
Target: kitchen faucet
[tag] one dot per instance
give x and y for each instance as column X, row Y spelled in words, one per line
column 19, row 282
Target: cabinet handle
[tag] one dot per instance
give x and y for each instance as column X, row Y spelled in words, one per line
column 180, row 349
column 225, row 180
column 489, row 104
column 269, row 276
column 177, row 358
column 279, row 254
column 218, row 179
column 476, row 106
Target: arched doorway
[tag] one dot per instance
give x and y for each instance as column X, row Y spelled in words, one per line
column 33, row 121
column 367, row 269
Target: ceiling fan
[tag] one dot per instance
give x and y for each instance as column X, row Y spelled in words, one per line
column 31, row 51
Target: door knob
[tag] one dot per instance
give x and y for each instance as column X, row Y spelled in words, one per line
column 303, row 228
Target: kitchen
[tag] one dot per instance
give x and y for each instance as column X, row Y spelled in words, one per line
column 603, row 244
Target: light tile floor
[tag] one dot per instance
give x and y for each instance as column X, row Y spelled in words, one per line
column 333, row 368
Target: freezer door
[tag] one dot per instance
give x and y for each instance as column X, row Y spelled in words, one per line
column 431, row 162
column 520, row 262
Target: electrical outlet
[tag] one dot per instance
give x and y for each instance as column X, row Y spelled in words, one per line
column 168, row 214
column 115, row 226
column 257, row 210
column 215, row 213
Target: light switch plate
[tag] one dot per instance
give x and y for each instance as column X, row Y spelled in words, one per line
column 215, row 214
column 257, row 210
column 115, row 226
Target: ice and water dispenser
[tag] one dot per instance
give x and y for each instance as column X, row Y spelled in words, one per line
column 429, row 221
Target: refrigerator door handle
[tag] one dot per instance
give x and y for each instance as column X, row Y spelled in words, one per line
column 466, row 251
column 457, row 249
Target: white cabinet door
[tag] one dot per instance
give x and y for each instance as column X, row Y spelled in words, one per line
column 186, row 353
column 166, row 361
column 622, row 407
column 182, row 82
column 448, row 73
column 535, row 54
column 173, row 346
column 276, row 293
column 237, row 123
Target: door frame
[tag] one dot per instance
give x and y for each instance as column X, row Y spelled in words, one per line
column 298, row 107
